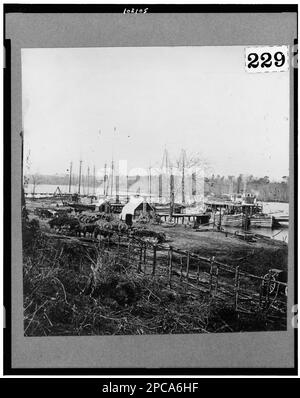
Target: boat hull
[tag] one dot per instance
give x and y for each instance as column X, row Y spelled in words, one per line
column 262, row 221
column 232, row 220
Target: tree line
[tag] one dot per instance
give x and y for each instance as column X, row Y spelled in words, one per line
column 263, row 188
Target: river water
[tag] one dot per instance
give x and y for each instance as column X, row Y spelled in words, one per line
column 50, row 189
column 279, row 233
column 276, row 209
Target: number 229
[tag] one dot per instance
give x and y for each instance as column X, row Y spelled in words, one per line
column 266, row 60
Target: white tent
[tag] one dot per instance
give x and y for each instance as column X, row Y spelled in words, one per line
column 101, row 201
column 132, row 206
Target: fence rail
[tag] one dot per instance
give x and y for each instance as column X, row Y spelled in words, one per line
column 244, row 291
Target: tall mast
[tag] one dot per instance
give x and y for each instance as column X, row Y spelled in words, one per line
column 79, row 181
column 194, row 185
column 230, row 185
column 88, row 180
column 182, row 180
column 94, row 180
column 117, row 189
column 105, row 181
column 127, row 187
column 160, row 188
column 150, row 183
column 245, row 185
column 171, row 193
column 112, row 163
column 83, row 183
column 70, row 178
column 112, row 177
column 164, row 170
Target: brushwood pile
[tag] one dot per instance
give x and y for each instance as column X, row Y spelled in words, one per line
column 95, row 225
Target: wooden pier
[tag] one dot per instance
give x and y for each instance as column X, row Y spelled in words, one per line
column 280, row 219
column 183, row 218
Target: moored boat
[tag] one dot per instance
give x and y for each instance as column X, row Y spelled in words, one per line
column 262, row 220
column 239, row 220
column 281, row 221
column 234, row 220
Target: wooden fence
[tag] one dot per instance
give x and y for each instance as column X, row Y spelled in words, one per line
column 244, row 291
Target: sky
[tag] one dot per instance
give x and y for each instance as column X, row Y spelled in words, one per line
column 92, row 104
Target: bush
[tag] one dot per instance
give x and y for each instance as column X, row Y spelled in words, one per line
column 30, row 233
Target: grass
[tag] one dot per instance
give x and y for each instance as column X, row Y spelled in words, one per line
column 71, row 289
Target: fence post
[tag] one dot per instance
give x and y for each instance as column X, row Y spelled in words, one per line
column 170, row 264
column 268, row 291
column 119, row 238
column 210, row 286
column 261, row 290
column 211, row 276
column 154, row 260
column 236, row 286
column 140, row 259
column 212, row 260
column 144, row 256
column 128, row 251
column 217, row 279
column 187, row 265
column 181, row 268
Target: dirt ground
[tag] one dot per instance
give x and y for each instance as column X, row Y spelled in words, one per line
column 57, row 271
column 253, row 257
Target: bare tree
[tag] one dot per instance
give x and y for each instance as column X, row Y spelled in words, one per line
column 193, row 160
column 35, row 178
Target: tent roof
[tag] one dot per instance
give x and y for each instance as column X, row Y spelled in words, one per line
column 102, row 201
column 131, row 206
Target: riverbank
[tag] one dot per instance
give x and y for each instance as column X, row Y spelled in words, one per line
column 254, row 257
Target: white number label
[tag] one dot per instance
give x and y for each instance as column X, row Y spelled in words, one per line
column 267, row 59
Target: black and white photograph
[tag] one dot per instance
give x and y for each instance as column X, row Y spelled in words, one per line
column 153, row 187
column 156, row 190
